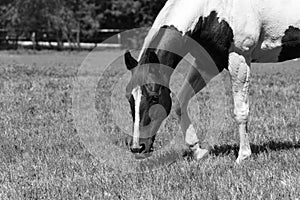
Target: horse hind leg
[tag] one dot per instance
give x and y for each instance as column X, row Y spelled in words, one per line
column 239, row 69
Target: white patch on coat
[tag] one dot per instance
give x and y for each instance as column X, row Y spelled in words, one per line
column 247, row 19
column 137, row 96
column 276, row 17
column 184, row 15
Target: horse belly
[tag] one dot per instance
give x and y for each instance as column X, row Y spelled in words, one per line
column 266, row 56
column 280, row 32
column 285, row 47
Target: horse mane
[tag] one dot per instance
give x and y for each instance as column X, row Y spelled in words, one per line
column 158, row 24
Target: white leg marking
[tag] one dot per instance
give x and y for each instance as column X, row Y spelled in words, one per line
column 199, row 153
column 190, row 135
column 191, row 138
column 137, row 95
column 239, row 69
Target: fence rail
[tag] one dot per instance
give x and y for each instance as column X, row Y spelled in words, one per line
column 101, row 38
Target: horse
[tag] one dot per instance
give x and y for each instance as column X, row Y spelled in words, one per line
column 233, row 33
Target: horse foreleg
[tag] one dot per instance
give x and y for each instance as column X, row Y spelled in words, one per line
column 193, row 83
column 239, row 69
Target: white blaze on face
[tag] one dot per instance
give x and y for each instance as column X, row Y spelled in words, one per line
column 137, row 95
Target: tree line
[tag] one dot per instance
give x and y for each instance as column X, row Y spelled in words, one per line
column 73, row 20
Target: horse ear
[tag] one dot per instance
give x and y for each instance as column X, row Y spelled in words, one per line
column 130, row 61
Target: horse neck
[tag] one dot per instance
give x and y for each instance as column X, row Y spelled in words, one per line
column 169, row 61
column 170, row 47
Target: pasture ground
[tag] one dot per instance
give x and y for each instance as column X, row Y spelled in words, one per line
column 43, row 157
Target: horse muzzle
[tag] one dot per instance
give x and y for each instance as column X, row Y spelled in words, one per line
column 143, row 149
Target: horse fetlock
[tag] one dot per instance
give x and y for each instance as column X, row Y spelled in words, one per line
column 198, row 152
column 241, row 116
column 194, row 146
column 241, row 119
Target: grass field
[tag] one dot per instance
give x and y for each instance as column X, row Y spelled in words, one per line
column 43, row 155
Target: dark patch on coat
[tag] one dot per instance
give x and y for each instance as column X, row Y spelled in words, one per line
column 150, row 97
column 166, row 58
column 290, row 44
column 132, row 106
column 155, row 55
column 216, row 37
column 152, row 92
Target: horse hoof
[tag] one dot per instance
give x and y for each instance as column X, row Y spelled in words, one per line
column 243, row 157
column 200, row 153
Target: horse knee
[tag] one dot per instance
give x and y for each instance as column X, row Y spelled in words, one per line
column 241, row 112
column 178, row 110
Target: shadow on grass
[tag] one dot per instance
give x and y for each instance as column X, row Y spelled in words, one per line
column 168, row 158
column 256, row 149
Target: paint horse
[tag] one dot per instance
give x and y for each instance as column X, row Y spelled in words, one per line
column 233, row 33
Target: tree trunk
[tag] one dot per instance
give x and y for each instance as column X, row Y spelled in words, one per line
column 15, row 45
column 33, row 40
column 78, row 35
column 59, row 40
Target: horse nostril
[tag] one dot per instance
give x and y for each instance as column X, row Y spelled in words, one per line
column 141, row 149
column 128, row 142
column 135, row 150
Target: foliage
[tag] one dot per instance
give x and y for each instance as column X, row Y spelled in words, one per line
column 73, row 19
